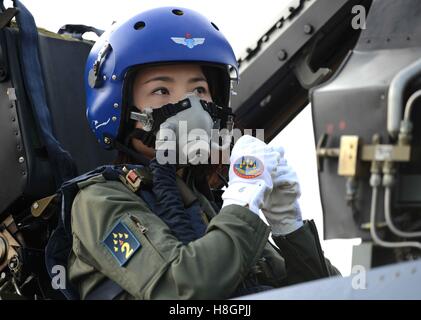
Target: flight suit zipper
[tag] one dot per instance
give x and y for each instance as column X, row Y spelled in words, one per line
column 141, row 227
column 144, row 230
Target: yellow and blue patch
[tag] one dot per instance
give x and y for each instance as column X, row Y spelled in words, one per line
column 248, row 167
column 121, row 243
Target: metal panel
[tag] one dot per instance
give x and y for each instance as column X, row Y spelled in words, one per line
column 392, row 25
column 395, row 282
column 27, row 171
column 270, row 93
column 12, row 155
column 354, row 103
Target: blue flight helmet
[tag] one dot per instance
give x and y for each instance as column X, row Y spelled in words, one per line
column 162, row 35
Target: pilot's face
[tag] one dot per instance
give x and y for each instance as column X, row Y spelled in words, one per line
column 156, row 86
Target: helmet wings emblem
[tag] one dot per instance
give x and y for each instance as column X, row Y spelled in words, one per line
column 188, row 41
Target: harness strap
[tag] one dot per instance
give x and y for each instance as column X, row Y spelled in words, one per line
column 61, row 161
column 7, row 16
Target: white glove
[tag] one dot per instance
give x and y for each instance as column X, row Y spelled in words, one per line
column 281, row 208
column 250, row 181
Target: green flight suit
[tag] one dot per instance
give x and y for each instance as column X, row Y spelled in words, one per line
column 234, row 247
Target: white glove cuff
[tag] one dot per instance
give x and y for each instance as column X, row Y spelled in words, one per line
column 282, row 229
column 245, row 193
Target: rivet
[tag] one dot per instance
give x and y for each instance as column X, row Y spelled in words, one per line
column 113, row 77
column 114, row 118
column 35, row 205
column 104, row 77
column 21, row 159
column 265, row 101
column 107, row 140
column 282, row 55
column 116, row 105
column 308, row 29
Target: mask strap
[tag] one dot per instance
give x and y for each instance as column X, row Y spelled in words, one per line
column 153, row 118
column 217, row 112
column 148, row 138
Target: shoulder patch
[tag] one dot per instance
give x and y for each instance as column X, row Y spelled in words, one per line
column 121, row 243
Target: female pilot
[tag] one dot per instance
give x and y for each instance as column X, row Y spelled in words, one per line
column 151, row 226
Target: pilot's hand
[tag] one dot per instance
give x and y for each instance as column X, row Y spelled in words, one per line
column 281, row 207
column 250, row 182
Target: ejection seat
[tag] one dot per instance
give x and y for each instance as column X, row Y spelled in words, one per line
column 44, row 135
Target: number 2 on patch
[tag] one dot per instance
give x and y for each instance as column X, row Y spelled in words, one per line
column 126, row 248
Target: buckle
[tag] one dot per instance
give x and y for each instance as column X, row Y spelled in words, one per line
column 135, row 178
column 38, row 208
column 145, row 118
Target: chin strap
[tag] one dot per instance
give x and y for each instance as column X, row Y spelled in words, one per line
column 147, row 137
column 141, row 159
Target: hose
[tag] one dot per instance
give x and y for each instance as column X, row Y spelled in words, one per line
column 373, row 232
column 395, row 95
column 410, row 104
column 185, row 225
column 389, row 221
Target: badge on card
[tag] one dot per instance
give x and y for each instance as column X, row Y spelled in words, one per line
column 248, row 167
